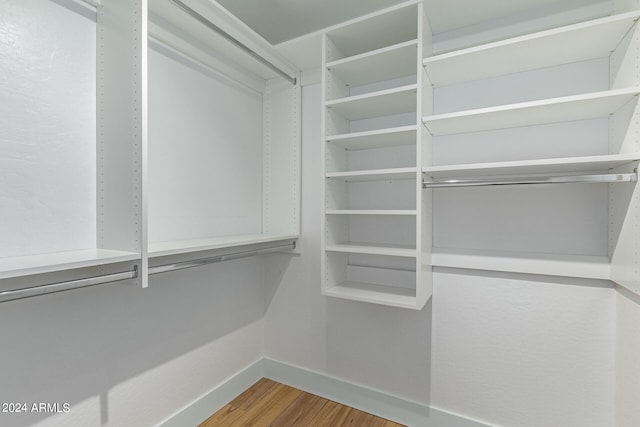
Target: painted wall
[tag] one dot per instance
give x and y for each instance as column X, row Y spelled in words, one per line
column 627, row 359
column 507, row 350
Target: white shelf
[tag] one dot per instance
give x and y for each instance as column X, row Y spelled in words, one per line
column 371, row 212
column 368, row 33
column 158, row 249
column 541, row 166
column 379, row 65
column 573, row 43
column 374, row 175
column 371, row 249
column 390, row 137
column 376, row 294
column 563, row 109
column 588, row 267
column 60, row 261
column 382, row 103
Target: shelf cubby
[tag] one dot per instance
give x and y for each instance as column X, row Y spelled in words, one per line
column 386, row 102
column 577, row 42
column 388, row 137
column 562, row 109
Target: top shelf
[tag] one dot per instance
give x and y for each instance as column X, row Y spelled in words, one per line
column 368, row 34
column 572, row 43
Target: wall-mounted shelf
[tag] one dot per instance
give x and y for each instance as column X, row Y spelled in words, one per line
column 391, row 212
column 573, row 43
column 381, row 103
column 159, row 249
column 388, row 137
column 374, row 294
column 60, row 261
column 538, row 166
column 563, row 109
column 378, row 65
column 373, row 249
column 374, row 175
column 587, row 267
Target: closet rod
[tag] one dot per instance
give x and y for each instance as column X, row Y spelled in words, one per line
column 219, row 258
column 67, row 286
column 233, row 40
column 605, row 179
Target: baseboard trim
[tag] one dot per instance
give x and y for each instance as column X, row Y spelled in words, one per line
column 363, row 398
column 211, row 402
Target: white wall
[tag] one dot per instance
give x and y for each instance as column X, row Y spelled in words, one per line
column 627, row 359
column 507, row 350
column 124, row 356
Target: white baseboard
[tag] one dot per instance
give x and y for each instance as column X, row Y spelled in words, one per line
column 365, row 399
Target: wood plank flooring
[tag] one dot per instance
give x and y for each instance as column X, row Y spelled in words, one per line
column 271, row 404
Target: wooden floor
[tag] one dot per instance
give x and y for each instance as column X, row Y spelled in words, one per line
column 271, row 404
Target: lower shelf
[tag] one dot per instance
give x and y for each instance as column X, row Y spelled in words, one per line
column 158, row 249
column 586, row 267
column 376, row 294
column 68, row 260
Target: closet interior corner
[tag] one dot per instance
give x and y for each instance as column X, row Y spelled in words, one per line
column 184, row 141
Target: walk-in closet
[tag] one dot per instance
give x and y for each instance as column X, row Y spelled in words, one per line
column 275, row 212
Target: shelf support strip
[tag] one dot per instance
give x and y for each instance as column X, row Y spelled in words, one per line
column 597, row 179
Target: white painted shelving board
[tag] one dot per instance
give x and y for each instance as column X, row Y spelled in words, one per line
column 541, row 166
column 573, row 43
column 374, row 175
column 371, row 212
column 379, row 65
column 373, row 249
column 589, row 267
column 368, row 34
column 389, row 137
column 376, row 294
column 157, row 249
column 383, row 103
column 59, row 261
column 563, row 109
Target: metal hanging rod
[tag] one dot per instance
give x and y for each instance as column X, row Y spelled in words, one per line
column 219, row 258
column 233, row 40
column 66, row 286
column 604, row 179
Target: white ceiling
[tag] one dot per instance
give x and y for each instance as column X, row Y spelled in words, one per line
column 280, row 20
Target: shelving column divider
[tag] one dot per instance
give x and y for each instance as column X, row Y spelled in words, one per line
column 122, row 129
column 424, row 197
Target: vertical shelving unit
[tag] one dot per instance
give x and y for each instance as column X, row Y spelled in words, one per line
column 588, row 126
column 75, row 208
column 224, row 137
column 373, row 232
column 74, row 194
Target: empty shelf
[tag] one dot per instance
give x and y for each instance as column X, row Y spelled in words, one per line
column 379, row 65
column 589, row 267
column 382, row 103
column 370, row 212
column 568, row 108
column 158, row 249
column 371, row 249
column 374, row 175
column 404, row 135
column 572, row 43
column 60, row 261
column 377, row 294
column 540, row 166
